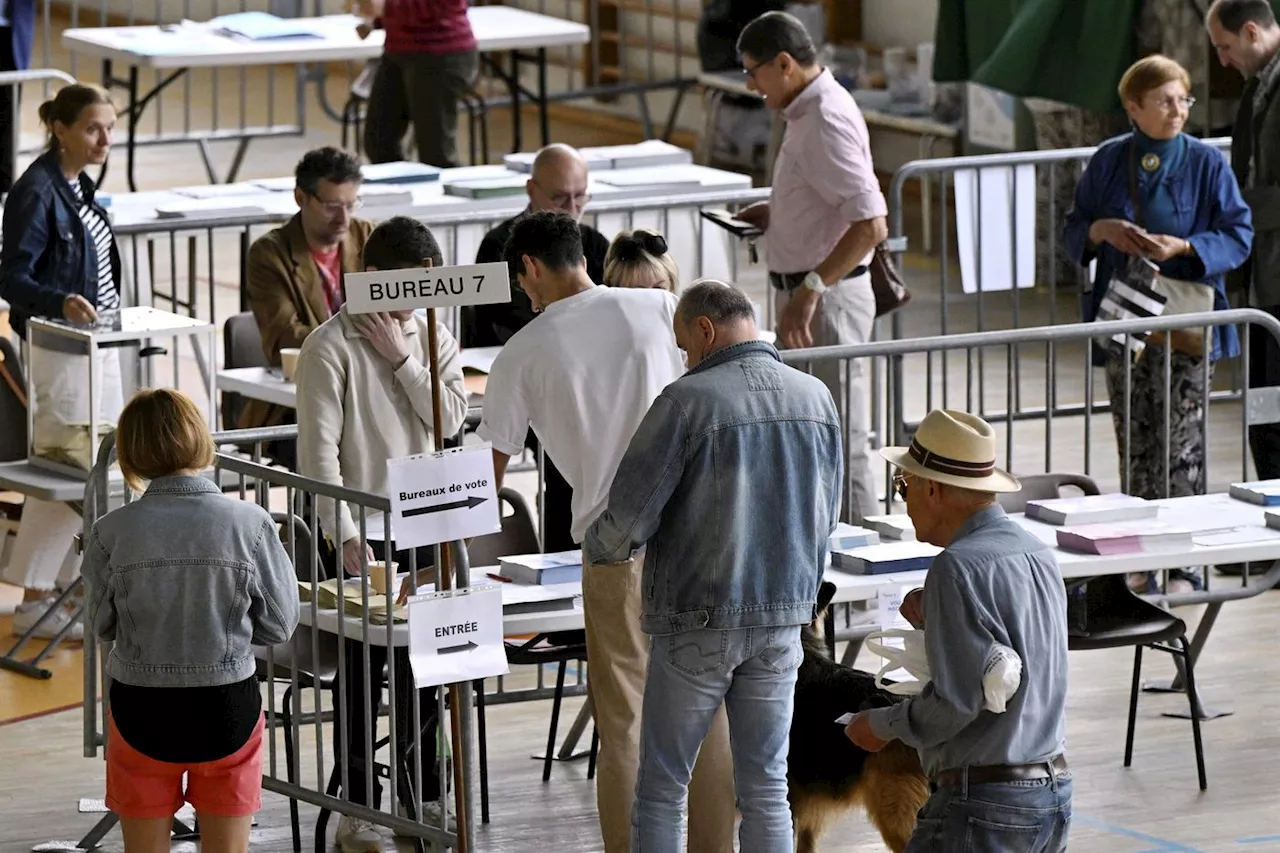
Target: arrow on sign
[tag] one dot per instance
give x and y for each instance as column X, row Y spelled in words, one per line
column 450, row 650
column 470, row 503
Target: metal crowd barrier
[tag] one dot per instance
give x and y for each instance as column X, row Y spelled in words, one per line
column 995, row 304
column 1032, row 444
column 298, row 666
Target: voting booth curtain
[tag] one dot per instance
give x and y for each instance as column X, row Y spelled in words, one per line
column 1073, row 51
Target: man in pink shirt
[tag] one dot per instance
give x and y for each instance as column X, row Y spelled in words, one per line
column 823, row 220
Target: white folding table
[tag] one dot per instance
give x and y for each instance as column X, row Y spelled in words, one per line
column 177, row 48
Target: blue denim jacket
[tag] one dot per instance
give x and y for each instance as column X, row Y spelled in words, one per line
column 1210, row 213
column 185, row 580
column 732, row 485
column 47, row 254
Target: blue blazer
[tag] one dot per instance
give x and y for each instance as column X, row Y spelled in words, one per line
column 1210, row 213
column 21, row 15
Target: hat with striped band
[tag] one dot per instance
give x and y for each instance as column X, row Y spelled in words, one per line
column 954, row 448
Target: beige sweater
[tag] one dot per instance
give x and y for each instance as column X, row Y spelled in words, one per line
column 355, row 412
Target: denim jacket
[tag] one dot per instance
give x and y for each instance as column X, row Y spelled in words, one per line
column 1211, row 215
column 47, row 254
column 185, row 580
column 732, row 485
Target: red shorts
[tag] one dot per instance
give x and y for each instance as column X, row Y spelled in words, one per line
column 140, row 787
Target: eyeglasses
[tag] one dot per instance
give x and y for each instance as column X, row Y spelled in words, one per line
column 900, row 484
column 333, row 208
column 579, row 200
column 1166, row 104
column 628, row 249
column 751, row 72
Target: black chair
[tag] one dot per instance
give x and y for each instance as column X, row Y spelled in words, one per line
column 519, row 536
column 241, row 347
column 13, row 404
column 1116, row 617
column 315, row 672
column 1103, row 613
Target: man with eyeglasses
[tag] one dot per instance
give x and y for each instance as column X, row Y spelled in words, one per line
column 822, row 222
column 558, row 184
column 294, row 279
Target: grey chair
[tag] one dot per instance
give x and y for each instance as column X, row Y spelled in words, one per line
column 1040, row 487
column 241, row 347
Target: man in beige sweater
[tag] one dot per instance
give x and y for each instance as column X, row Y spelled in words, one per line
column 364, row 396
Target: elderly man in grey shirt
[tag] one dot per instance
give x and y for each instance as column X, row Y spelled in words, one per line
column 1000, row 781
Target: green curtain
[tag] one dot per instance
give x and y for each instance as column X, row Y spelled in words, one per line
column 1072, row 51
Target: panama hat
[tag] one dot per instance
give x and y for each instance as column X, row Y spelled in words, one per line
column 954, row 448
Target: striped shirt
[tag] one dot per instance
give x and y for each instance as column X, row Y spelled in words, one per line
column 101, row 237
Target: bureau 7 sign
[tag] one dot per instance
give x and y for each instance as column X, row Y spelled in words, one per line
column 442, row 497
column 426, row 287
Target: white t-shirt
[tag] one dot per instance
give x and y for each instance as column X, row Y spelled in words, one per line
column 583, row 375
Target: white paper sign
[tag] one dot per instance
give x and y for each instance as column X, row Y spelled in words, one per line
column 889, row 607
column 442, row 497
column 456, row 636
column 423, row 287
column 996, row 227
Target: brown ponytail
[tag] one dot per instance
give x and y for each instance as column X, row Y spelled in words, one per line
column 66, row 106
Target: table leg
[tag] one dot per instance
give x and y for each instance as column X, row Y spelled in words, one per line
column 517, row 139
column 926, row 192
column 134, row 110
column 543, row 120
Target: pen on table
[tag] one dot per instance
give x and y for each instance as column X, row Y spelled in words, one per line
column 498, row 578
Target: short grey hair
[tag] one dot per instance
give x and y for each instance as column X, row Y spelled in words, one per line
column 777, row 32
column 717, row 301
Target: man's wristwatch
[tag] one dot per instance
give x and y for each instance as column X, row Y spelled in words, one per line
column 814, row 282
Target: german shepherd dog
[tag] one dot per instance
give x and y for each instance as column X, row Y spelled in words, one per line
column 826, row 774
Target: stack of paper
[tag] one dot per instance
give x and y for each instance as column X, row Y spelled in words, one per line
column 1260, row 492
column 1132, row 537
column 403, row 172
column 886, row 558
column 487, row 187
column 353, row 600
column 261, row 26
column 528, row 598
column 559, row 568
column 209, row 208
column 847, row 536
column 897, row 527
column 1090, row 509
column 385, row 195
column 651, row 152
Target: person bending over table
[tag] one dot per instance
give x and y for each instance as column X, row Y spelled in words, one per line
column 823, row 220
column 184, row 612
column 640, row 259
column 582, row 377
column 59, row 261
column 558, row 182
column 1000, row 780
column 364, row 396
column 294, row 277
column 428, row 64
column 739, row 430
column 1157, row 194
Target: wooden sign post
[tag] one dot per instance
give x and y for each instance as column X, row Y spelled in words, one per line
column 432, row 287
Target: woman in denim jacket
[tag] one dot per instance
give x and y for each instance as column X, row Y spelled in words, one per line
column 59, row 261
column 1192, row 223
column 184, row 581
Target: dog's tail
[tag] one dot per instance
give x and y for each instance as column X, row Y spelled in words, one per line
column 812, row 635
column 893, row 790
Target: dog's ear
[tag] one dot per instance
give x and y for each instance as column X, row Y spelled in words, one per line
column 826, row 592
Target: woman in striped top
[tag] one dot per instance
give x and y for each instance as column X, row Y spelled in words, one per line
column 59, row 260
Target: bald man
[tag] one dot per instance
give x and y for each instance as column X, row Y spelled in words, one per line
column 558, row 182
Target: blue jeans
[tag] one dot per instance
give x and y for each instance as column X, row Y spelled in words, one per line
column 753, row 672
column 1009, row 817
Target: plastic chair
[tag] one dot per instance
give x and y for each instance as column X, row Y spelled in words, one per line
column 1041, row 487
column 241, row 347
column 519, row 536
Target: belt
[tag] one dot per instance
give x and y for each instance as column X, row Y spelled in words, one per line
column 997, row 773
column 792, row 280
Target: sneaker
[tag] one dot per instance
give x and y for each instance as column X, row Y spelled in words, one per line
column 26, row 615
column 357, row 836
column 431, row 814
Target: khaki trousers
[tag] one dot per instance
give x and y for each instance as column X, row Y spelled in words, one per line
column 618, row 658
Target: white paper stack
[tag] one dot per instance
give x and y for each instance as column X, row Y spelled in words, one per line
column 897, row 527
column 1091, row 509
column 545, row 569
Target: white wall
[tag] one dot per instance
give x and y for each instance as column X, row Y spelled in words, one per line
column 893, row 23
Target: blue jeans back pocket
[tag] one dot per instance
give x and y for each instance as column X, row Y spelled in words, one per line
column 697, row 652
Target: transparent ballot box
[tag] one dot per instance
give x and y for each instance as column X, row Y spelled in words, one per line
column 80, row 376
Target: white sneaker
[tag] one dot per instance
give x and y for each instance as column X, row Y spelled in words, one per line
column 431, row 814
column 26, row 615
column 357, row 836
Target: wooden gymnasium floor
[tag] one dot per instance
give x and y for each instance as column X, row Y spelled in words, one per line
column 1154, row 807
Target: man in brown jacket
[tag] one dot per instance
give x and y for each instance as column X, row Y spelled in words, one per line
column 294, row 280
